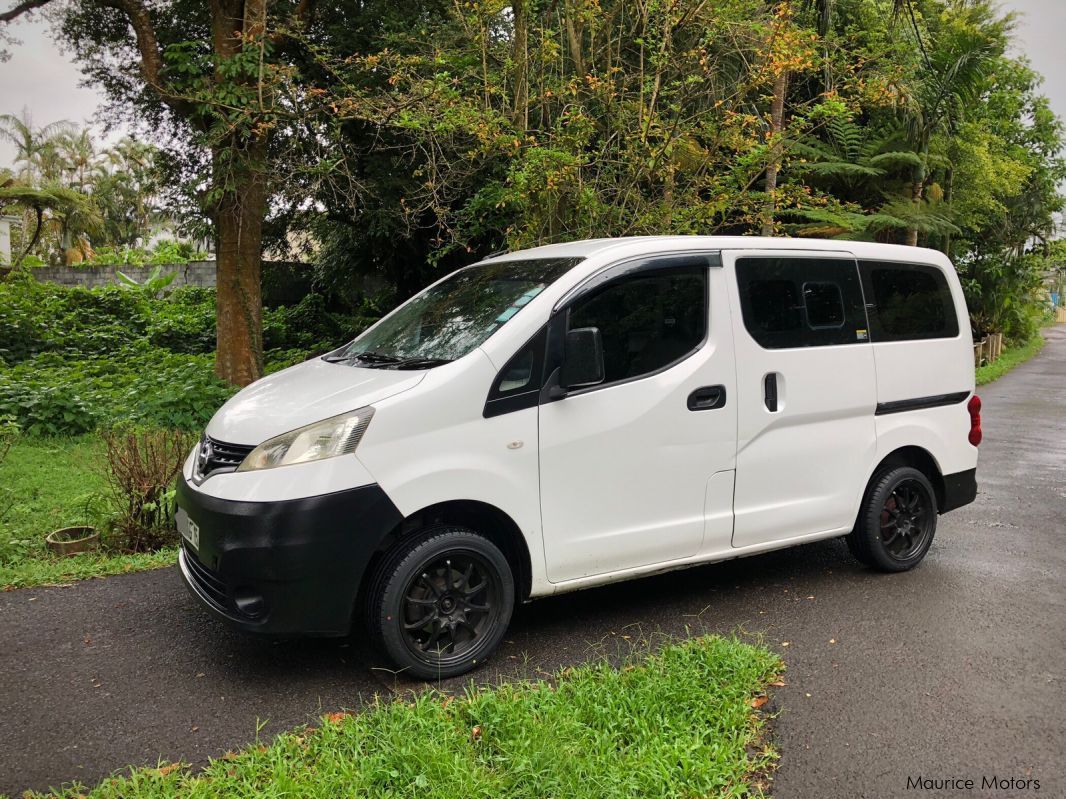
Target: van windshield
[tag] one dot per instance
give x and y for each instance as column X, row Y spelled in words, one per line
column 448, row 320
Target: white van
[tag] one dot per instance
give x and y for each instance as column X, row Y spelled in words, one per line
column 582, row 413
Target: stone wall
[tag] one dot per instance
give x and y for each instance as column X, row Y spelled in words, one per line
column 194, row 273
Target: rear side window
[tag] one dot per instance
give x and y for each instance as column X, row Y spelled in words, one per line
column 648, row 321
column 801, row 302
column 908, row 301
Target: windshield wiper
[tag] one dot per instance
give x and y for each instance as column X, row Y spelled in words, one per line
column 379, row 360
column 365, row 357
column 419, row 363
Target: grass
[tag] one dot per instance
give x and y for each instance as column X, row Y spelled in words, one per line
column 677, row 724
column 48, row 570
column 1009, row 359
column 45, row 484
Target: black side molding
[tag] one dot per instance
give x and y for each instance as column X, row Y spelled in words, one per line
column 920, row 403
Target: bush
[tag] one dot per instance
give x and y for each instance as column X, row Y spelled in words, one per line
column 45, row 409
column 43, row 317
column 141, row 467
column 72, row 358
column 165, row 253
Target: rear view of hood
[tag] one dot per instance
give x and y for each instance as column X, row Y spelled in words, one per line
column 302, row 394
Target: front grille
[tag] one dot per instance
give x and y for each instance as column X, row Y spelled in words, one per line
column 217, row 456
column 206, row 579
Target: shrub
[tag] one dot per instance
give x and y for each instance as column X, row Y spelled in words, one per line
column 72, row 358
column 141, row 466
column 52, row 395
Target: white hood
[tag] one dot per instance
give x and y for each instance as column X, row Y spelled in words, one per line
column 302, row 394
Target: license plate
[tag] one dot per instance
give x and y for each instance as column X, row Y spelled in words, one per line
column 189, row 529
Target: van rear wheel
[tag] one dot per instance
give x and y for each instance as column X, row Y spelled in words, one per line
column 897, row 521
column 440, row 602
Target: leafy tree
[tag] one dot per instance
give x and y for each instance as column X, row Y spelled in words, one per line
column 213, row 71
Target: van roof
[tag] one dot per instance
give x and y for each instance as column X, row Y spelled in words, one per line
column 861, row 249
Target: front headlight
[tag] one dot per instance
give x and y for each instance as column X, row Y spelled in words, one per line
column 338, row 435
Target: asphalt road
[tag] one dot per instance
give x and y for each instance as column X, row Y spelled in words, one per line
column 952, row 670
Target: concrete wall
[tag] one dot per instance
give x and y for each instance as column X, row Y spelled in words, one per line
column 194, row 273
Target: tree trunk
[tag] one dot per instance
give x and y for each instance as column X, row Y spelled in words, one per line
column 238, row 303
column 239, row 167
column 575, row 37
column 777, row 119
column 918, row 174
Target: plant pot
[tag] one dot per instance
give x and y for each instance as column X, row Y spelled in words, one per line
column 72, row 540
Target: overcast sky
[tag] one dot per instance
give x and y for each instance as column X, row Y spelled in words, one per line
column 41, row 78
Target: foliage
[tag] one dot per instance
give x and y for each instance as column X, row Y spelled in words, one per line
column 409, row 139
column 154, row 285
column 79, row 195
column 165, row 253
column 73, row 358
column 1011, row 357
column 676, row 723
column 141, row 466
column 506, row 127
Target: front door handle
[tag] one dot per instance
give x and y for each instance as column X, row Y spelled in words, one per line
column 706, row 398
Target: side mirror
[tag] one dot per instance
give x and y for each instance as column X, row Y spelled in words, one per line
column 582, row 358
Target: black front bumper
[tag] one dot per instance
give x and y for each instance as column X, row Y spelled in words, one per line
column 291, row 567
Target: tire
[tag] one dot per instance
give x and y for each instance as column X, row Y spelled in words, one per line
column 458, row 584
column 897, row 521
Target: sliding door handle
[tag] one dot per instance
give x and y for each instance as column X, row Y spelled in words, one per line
column 769, row 385
column 706, row 398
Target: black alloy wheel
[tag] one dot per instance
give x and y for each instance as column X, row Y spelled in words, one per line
column 897, row 521
column 906, row 521
column 440, row 603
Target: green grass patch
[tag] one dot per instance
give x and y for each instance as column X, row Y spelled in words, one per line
column 46, row 484
column 677, row 724
column 1009, row 359
column 27, row 573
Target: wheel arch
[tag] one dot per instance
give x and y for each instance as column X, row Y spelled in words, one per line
column 918, row 458
column 481, row 517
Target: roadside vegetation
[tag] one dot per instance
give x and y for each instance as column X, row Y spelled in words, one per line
column 679, row 723
column 1013, row 356
column 102, row 393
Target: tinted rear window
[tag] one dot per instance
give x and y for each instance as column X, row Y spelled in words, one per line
column 801, row 302
column 908, row 301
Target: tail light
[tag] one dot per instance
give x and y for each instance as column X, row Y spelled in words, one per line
column 974, row 408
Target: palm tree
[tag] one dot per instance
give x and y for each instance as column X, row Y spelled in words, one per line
column 79, row 156
column 954, row 71
column 30, row 142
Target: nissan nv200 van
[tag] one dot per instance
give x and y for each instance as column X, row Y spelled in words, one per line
column 582, row 413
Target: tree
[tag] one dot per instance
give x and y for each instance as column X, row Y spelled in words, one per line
column 31, row 143
column 964, row 45
column 210, row 70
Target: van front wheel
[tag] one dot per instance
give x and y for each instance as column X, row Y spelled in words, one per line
column 440, row 602
column 897, row 521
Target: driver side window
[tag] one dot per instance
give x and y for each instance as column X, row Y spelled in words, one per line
column 648, row 320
